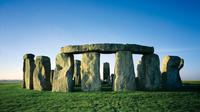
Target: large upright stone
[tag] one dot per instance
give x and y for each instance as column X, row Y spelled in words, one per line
column 63, row 74
column 124, row 72
column 170, row 72
column 41, row 75
column 77, row 72
column 106, row 72
column 149, row 72
column 28, row 69
column 90, row 72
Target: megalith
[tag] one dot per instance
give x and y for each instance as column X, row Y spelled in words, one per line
column 77, row 72
column 148, row 72
column 41, row 74
column 51, row 77
column 171, row 66
column 124, row 72
column 28, row 68
column 63, row 74
column 90, row 72
column 106, row 72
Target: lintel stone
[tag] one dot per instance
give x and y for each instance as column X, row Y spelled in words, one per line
column 107, row 48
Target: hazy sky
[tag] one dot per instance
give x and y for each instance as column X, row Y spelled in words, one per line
column 42, row 27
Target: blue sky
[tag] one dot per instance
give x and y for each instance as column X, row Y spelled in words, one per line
column 42, row 27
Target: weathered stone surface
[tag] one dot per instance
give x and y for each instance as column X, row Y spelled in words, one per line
column 28, row 69
column 170, row 72
column 107, row 48
column 63, row 74
column 41, row 74
column 77, row 72
column 31, row 56
column 106, row 72
column 149, row 72
column 51, row 77
column 90, row 72
column 124, row 72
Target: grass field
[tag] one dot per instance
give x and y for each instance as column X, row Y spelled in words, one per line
column 13, row 98
column 191, row 81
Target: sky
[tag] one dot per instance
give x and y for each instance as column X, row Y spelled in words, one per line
column 42, row 27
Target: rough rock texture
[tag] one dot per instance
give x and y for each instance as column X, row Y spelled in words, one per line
column 107, row 48
column 124, row 72
column 51, row 77
column 170, row 72
column 28, row 68
column 63, row 74
column 148, row 72
column 41, row 75
column 106, row 72
column 90, row 72
column 77, row 72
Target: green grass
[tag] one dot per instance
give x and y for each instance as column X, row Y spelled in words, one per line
column 191, row 81
column 13, row 98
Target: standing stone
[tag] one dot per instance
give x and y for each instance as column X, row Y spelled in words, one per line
column 77, row 72
column 149, row 72
column 106, row 72
column 28, row 69
column 51, row 77
column 63, row 74
column 90, row 72
column 112, row 78
column 124, row 72
column 171, row 66
column 41, row 75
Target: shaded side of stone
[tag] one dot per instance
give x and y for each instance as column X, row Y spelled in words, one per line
column 171, row 66
column 149, row 72
column 28, row 68
column 124, row 72
column 51, row 77
column 106, row 72
column 41, row 75
column 63, row 74
column 77, row 72
column 90, row 72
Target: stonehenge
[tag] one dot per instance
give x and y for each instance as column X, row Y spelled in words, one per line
column 41, row 74
column 171, row 66
column 106, row 72
column 37, row 74
column 90, row 72
column 63, row 74
column 148, row 71
column 124, row 72
column 28, row 68
column 107, row 48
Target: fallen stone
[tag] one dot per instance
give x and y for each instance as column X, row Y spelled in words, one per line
column 28, row 68
column 149, row 72
column 41, row 74
column 171, row 66
column 90, row 72
column 107, row 48
column 124, row 72
column 63, row 74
